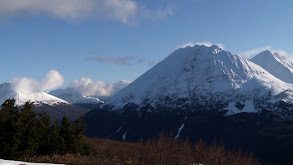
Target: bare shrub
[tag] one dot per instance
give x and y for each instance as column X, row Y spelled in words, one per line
column 165, row 150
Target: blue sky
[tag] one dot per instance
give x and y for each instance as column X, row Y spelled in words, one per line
column 112, row 40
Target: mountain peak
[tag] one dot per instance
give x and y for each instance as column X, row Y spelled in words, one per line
column 268, row 52
column 281, row 66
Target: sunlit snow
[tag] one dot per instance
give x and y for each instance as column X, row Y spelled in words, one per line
column 11, row 162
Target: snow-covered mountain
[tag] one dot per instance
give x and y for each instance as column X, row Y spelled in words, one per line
column 204, row 93
column 193, row 83
column 21, row 97
column 53, row 106
column 281, row 66
column 202, row 76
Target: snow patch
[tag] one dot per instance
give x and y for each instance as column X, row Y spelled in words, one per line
column 118, row 130
column 124, row 136
column 11, row 162
column 179, row 130
column 232, row 108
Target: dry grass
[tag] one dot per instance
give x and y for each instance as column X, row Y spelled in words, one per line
column 164, row 150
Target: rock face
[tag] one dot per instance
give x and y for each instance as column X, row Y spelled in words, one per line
column 281, row 66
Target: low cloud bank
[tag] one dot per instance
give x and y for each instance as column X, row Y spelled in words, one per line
column 88, row 87
column 52, row 80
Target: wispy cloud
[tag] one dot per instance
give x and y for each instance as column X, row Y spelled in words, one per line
column 126, row 60
column 158, row 13
column 121, row 10
column 200, row 43
column 124, row 11
column 251, row 53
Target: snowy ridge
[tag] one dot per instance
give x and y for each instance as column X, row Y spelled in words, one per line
column 73, row 97
column 204, row 75
column 21, row 97
column 281, row 66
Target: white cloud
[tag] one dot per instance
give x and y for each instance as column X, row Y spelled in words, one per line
column 125, row 11
column 52, row 80
column 120, row 10
column 251, row 53
column 209, row 44
column 88, row 87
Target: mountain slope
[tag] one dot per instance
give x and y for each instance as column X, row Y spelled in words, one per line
column 281, row 66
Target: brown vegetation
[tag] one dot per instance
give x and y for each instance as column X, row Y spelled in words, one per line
column 164, row 150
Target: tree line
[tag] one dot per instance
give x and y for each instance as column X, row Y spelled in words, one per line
column 25, row 133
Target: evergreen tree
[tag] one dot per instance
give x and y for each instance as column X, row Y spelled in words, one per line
column 43, row 136
column 25, row 133
column 65, row 133
column 8, row 118
column 77, row 143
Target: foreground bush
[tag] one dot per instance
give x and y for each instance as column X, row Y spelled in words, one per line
column 164, row 150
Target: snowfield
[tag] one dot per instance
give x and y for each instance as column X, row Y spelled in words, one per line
column 11, row 162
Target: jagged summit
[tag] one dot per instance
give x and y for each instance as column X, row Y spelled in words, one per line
column 38, row 97
column 281, row 66
column 202, row 75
